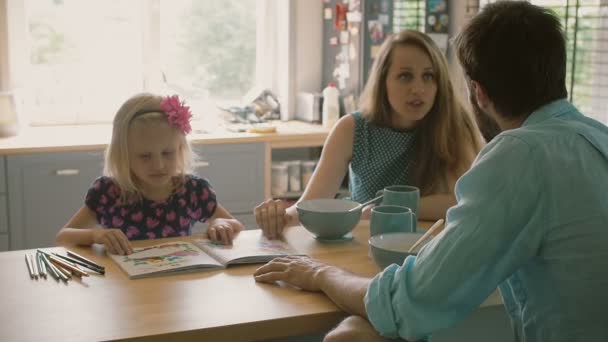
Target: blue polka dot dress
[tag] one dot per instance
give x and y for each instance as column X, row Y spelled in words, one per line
column 381, row 157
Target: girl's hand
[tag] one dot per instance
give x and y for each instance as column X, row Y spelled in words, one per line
column 114, row 240
column 271, row 217
column 223, row 230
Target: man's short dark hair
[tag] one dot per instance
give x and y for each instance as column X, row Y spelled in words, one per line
column 517, row 52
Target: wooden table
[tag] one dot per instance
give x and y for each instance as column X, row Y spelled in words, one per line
column 224, row 305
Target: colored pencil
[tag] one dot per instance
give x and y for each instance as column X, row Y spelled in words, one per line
column 68, row 266
column 41, row 267
column 63, row 274
column 29, row 266
column 85, row 260
column 50, row 267
column 80, row 263
column 35, row 265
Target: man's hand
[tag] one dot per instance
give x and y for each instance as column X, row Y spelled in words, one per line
column 299, row 271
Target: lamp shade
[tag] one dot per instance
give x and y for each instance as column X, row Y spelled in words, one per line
column 8, row 116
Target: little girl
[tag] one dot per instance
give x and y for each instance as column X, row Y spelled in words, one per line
column 146, row 191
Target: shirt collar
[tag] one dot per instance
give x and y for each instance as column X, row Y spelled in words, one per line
column 548, row 111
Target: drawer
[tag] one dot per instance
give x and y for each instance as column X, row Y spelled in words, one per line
column 2, row 175
column 3, row 214
column 3, row 242
column 236, row 173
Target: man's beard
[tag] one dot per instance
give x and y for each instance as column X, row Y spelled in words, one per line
column 487, row 125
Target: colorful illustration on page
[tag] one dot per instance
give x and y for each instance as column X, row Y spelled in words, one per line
column 166, row 254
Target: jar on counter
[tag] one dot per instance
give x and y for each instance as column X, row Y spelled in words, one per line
column 295, row 175
column 280, row 178
column 308, row 167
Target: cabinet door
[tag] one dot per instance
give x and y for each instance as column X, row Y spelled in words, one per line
column 3, row 242
column 44, row 191
column 2, row 176
column 247, row 219
column 3, row 214
column 236, row 172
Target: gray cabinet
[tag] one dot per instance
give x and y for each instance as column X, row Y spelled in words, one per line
column 2, row 176
column 236, row 172
column 3, row 208
column 3, row 242
column 44, row 191
column 3, row 214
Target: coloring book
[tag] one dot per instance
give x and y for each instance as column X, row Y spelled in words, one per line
column 248, row 247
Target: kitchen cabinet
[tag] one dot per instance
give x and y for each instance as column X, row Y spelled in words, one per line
column 44, row 191
column 3, row 214
column 2, row 176
column 44, row 181
column 236, row 173
column 3, row 208
column 3, row 242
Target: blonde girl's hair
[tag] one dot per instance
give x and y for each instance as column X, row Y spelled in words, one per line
column 142, row 107
column 446, row 136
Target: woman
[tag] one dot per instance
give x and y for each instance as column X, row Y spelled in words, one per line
column 412, row 129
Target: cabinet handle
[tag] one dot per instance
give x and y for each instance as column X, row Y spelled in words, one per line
column 201, row 164
column 67, row 172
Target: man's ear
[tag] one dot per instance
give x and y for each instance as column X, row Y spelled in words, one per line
column 480, row 94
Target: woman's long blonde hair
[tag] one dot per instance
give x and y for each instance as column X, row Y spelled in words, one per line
column 445, row 135
column 141, row 107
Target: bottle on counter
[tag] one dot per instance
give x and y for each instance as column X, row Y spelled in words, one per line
column 331, row 105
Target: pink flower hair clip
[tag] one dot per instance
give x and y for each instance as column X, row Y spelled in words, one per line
column 178, row 113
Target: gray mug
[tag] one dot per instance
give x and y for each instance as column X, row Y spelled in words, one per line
column 392, row 219
column 401, row 195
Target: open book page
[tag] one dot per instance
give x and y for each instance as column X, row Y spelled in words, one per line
column 249, row 247
column 165, row 257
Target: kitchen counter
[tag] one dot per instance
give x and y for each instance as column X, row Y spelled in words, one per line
column 96, row 137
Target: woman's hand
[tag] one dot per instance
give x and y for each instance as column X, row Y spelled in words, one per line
column 271, row 217
column 366, row 213
column 223, row 230
column 114, row 240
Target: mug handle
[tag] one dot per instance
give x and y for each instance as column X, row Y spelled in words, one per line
column 378, row 193
column 414, row 223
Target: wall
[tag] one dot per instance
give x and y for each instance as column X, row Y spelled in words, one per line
column 308, row 27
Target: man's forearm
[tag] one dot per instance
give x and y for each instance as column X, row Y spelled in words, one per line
column 345, row 289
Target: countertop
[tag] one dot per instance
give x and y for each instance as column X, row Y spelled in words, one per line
column 96, row 137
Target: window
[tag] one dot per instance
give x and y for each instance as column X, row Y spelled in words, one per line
column 82, row 58
column 409, row 15
column 586, row 27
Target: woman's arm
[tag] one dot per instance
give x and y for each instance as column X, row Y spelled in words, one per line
column 333, row 164
column 272, row 216
column 435, row 206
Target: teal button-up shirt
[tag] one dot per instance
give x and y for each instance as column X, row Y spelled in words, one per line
column 531, row 219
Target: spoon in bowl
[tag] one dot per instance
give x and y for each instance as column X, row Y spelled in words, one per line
column 363, row 205
column 428, row 233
